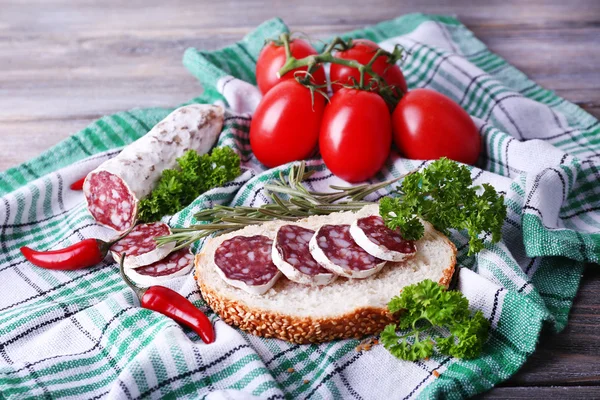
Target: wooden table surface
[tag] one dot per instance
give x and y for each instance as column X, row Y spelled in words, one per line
column 65, row 63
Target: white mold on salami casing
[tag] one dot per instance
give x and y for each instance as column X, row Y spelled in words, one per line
column 174, row 265
column 379, row 249
column 293, row 273
column 114, row 189
column 335, row 266
column 140, row 247
column 248, row 252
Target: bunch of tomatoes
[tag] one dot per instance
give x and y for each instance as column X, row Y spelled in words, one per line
column 355, row 128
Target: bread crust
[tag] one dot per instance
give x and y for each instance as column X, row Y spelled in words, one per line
column 302, row 330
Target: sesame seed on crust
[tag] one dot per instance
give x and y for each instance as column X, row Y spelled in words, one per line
column 303, row 330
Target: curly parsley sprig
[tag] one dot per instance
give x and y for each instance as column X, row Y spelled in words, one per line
column 426, row 307
column 196, row 174
column 443, row 194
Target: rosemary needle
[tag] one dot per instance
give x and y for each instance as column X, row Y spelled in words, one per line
column 298, row 203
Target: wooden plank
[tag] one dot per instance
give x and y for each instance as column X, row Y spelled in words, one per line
column 572, row 356
column 99, row 72
column 571, row 393
column 134, row 72
column 64, row 64
column 90, row 15
column 21, row 141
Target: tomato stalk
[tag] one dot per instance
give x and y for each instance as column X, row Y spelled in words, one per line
column 313, row 61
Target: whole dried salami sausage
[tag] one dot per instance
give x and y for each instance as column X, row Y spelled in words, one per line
column 291, row 256
column 375, row 238
column 333, row 248
column 114, row 189
column 140, row 246
column 245, row 262
column 175, row 264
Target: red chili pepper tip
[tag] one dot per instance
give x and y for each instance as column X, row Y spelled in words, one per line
column 78, row 185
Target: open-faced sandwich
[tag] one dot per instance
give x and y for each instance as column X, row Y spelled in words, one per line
column 319, row 278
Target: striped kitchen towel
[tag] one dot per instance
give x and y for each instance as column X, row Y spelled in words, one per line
column 82, row 334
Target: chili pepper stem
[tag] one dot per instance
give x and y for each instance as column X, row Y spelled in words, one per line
column 139, row 292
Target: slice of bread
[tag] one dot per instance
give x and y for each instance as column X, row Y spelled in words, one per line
column 346, row 308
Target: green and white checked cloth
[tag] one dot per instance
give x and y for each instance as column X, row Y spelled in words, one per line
column 81, row 334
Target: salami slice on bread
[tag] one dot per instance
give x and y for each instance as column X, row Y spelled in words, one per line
column 114, row 189
column 290, row 253
column 344, row 308
column 245, row 262
column 333, row 248
column 375, row 238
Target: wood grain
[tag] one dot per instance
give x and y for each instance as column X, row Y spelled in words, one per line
column 537, row 392
column 63, row 64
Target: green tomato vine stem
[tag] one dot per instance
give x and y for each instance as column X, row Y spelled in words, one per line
column 313, row 61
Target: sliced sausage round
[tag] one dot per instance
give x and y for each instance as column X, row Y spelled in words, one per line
column 375, row 238
column 176, row 264
column 140, row 246
column 292, row 256
column 245, row 262
column 333, row 247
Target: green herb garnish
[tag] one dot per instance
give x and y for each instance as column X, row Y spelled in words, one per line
column 196, row 174
column 426, row 306
column 443, row 194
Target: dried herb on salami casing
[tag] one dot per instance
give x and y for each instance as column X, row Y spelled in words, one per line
column 196, row 174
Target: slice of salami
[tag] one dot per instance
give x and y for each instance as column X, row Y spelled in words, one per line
column 114, row 189
column 378, row 240
column 175, row 264
column 140, row 246
column 245, row 262
column 333, row 248
column 291, row 255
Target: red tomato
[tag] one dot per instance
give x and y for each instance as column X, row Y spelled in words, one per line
column 362, row 51
column 272, row 58
column 285, row 126
column 356, row 134
column 428, row 125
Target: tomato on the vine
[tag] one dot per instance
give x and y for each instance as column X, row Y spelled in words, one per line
column 356, row 134
column 285, row 126
column 272, row 58
column 362, row 50
column 428, row 125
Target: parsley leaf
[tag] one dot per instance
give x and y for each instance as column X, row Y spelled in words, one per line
column 196, row 174
column 427, row 306
column 443, row 194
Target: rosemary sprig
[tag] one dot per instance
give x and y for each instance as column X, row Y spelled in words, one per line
column 291, row 201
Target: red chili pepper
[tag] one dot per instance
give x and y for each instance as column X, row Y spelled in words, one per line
column 78, row 185
column 173, row 305
column 83, row 254
column 80, row 255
